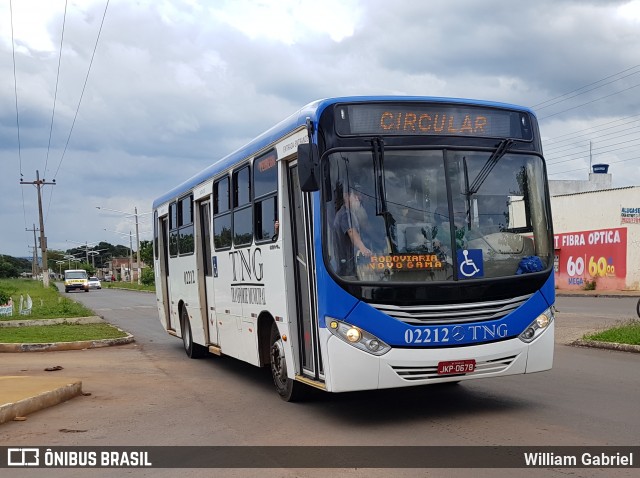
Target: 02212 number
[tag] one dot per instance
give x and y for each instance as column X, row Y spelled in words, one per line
column 189, row 277
column 426, row 336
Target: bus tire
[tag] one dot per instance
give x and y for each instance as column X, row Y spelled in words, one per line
column 192, row 349
column 288, row 389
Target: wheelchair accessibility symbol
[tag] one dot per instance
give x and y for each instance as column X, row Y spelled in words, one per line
column 470, row 263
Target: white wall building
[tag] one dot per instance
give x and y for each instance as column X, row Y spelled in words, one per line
column 597, row 237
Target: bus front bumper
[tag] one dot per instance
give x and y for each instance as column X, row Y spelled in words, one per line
column 350, row 369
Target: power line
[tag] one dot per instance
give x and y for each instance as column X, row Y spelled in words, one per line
column 55, row 96
column 574, row 135
column 83, row 89
column 589, row 102
column 580, row 143
column 15, row 89
column 602, row 151
column 539, row 107
column 582, row 168
column 84, row 86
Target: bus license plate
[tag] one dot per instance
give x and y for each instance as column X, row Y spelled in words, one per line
column 455, row 367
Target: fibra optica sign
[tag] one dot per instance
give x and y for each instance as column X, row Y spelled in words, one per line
column 586, row 256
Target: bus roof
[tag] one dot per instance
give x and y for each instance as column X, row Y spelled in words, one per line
column 298, row 119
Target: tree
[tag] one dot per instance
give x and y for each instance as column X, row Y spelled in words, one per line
column 7, row 269
column 148, row 276
column 13, row 266
column 146, row 253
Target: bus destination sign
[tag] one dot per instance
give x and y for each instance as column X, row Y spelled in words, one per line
column 430, row 120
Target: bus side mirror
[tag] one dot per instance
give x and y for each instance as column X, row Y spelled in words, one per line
column 308, row 167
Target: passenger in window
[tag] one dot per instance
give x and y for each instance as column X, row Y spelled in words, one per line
column 347, row 229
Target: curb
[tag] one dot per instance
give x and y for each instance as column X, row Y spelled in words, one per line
column 58, row 391
column 93, row 319
column 606, row 345
column 55, row 346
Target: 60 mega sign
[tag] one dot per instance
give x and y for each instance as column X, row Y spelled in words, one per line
column 586, row 256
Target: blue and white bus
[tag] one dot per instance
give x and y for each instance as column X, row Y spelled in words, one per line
column 367, row 243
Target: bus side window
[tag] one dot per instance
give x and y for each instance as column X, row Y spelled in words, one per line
column 242, row 211
column 185, row 225
column 265, row 186
column 221, row 214
column 173, row 229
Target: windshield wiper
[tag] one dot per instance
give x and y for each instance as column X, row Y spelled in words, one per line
column 377, row 146
column 500, row 151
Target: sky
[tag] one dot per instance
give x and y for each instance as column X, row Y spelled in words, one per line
column 119, row 101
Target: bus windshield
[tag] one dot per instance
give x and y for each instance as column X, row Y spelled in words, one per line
column 435, row 215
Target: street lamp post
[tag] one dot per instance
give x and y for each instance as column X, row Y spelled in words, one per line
column 60, row 267
column 86, row 248
column 130, row 256
column 135, row 215
column 70, row 258
column 93, row 255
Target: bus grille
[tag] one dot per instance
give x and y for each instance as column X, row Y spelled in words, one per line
column 430, row 372
column 443, row 314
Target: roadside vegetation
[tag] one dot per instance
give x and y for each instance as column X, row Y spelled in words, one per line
column 627, row 333
column 48, row 303
column 58, row 333
column 129, row 285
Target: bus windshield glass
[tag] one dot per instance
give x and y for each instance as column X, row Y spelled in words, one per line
column 435, row 215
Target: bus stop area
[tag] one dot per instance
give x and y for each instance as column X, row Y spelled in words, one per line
column 21, row 395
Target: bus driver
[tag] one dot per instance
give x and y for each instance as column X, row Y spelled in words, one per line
column 347, row 230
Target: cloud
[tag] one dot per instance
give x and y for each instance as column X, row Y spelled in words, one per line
column 176, row 85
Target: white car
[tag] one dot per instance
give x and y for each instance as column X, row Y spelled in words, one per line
column 94, row 283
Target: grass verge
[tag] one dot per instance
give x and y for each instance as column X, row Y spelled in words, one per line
column 58, row 333
column 627, row 333
column 47, row 302
column 128, row 285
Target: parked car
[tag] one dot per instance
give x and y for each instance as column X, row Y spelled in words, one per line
column 94, row 283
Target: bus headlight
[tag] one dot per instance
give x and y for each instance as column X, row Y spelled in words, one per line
column 538, row 326
column 359, row 338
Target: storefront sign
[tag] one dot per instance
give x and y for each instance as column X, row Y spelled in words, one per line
column 630, row 215
column 587, row 256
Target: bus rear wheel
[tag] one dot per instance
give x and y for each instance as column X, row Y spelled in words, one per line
column 288, row 389
column 192, row 349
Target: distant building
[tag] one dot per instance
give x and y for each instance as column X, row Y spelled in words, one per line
column 120, row 268
column 597, row 234
column 596, row 182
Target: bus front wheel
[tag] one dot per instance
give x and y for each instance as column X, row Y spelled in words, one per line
column 288, row 389
column 192, row 349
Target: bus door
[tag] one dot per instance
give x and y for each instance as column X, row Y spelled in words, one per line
column 304, row 272
column 207, row 296
column 163, row 260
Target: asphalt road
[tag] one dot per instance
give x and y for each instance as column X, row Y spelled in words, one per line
column 150, row 393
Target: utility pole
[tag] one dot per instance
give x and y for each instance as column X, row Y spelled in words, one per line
column 34, row 267
column 130, row 259
column 38, row 183
column 138, row 247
